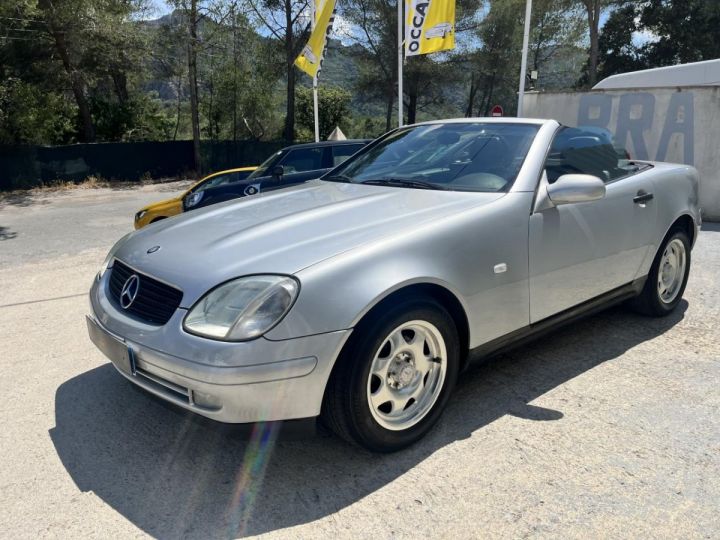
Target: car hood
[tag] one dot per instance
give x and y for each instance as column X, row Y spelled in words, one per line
column 282, row 231
column 152, row 207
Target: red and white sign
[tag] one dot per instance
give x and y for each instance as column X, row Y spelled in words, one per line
column 497, row 110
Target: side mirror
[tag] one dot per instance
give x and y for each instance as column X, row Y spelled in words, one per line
column 277, row 171
column 575, row 188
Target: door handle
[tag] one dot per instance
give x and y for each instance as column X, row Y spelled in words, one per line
column 642, row 197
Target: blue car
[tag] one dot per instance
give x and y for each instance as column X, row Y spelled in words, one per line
column 292, row 165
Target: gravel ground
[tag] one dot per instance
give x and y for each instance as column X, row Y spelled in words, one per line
column 608, row 428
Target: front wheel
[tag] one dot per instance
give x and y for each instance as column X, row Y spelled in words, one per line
column 395, row 376
column 668, row 277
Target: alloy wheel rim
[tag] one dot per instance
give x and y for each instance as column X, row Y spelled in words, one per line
column 407, row 375
column 671, row 271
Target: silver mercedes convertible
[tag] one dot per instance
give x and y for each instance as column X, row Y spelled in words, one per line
column 358, row 297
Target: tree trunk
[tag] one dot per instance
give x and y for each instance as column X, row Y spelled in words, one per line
column 212, row 125
column 389, row 109
column 235, row 70
column 192, row 75
column 471, row 97
column 289, row 130
column 119, row 79
column 179, row 103
column 412, row 104
column 490, row 89
column 77, row 83
column 593, row 10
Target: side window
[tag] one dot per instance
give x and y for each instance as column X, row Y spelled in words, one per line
column 302, row 159
column 578, row 151
column 215, row 181
column 240, row 175
column 341, row 153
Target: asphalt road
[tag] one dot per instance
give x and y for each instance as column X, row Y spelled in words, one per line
column 608, row 428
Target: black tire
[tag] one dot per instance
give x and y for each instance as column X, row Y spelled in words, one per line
column 649, row 301
column 346, row 410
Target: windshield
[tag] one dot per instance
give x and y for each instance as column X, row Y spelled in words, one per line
column 459, row 156
column 265, row 166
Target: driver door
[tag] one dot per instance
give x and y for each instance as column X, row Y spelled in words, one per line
column 582, row 250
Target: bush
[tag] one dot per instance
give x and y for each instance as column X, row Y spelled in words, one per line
column 333, row 110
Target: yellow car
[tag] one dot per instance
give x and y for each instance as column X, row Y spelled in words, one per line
column 170, row 207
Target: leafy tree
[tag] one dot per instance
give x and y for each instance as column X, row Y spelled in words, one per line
column 617, row 50
column 676, row 32
column 424, row 77
column 191, row 11
column 425, row 83
column 375, row 21
column 288, row 24
column 333, row 109
column 240, row 75
column 166, row 67
column 594, row 9
column 139, row 118
column 683, row 30
column 29, row 115
column 64, row 24
column 500, row 35
column 77, row 57
column 555, row 25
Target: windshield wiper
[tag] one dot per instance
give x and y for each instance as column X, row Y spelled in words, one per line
column 338, row 178
column 403, row 182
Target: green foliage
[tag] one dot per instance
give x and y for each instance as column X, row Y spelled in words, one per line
column 333, row 110
column 685, row 31
column 240, row 78
column 73, row 70
column 674, row 32
column 365, row 127
column 30, row 116
column 501, row 35
column 618, row 53
column 141, row 118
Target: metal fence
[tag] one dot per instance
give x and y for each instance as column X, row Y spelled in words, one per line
column 29, row 166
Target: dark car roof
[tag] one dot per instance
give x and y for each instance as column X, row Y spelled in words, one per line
column 322, row 144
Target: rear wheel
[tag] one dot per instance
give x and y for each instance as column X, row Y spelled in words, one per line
column 668, row 276
column 394, row 377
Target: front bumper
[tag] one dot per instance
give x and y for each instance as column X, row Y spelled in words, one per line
column 259, row 380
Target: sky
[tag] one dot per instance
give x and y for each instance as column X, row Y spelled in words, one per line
column 160, row 8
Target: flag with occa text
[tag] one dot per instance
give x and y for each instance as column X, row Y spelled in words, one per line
column 311, row 56
column 429, row 26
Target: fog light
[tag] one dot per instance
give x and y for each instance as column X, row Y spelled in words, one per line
column 206, row 401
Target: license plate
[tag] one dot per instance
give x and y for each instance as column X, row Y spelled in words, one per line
column 117, row 351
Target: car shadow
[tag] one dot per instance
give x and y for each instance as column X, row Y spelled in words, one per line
column 7, row 234
column 173, row 474
column 22, row 199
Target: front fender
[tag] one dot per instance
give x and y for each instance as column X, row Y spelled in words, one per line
column 459, row 253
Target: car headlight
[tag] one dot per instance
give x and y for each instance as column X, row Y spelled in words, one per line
column 111, row 255
column 104, row 266
column 242, row 309
column 140, row 215
column 193, row 199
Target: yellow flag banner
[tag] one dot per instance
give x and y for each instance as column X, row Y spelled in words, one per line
column 317, row 10
column 429, row 26
column 311, row 56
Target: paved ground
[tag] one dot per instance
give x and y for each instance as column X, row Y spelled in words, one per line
column 609, row 428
